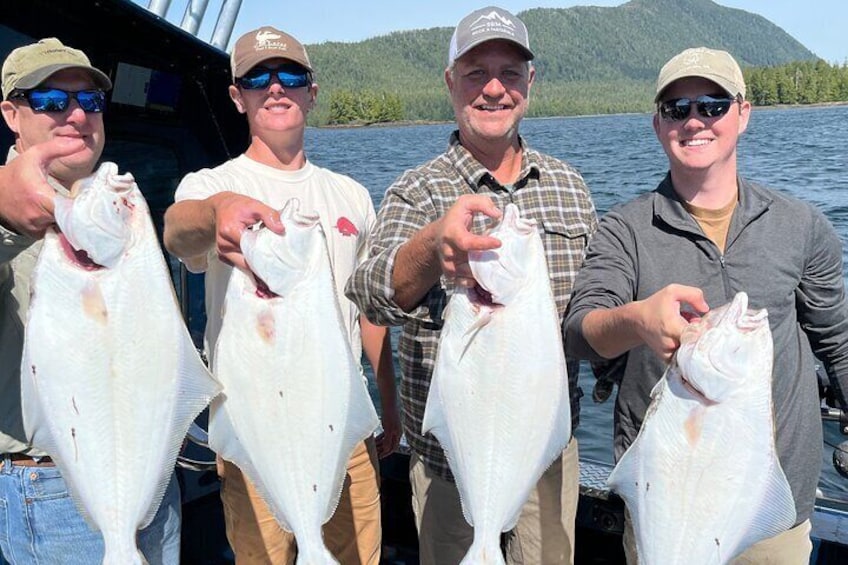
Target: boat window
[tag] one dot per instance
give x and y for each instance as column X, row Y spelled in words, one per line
column 145, row 88
column 156, row 168
column 10, row 38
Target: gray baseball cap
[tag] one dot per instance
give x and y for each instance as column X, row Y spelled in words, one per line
column 484, row 25
column 711, row 64
column 30, row 65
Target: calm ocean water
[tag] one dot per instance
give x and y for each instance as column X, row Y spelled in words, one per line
column 803, row 151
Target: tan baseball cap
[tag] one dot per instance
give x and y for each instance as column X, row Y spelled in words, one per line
column 484, row 25
column 711, row 64
column 30, row 65
column 266, row 43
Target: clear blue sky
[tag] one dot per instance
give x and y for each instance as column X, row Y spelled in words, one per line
column 818, row 24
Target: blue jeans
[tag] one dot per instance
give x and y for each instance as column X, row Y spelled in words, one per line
column 40, row 524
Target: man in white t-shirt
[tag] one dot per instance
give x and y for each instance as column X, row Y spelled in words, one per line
column 273, row 87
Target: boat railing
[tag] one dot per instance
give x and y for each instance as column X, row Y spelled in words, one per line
column 199, row 436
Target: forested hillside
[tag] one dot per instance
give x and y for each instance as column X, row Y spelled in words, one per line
column 589, row 60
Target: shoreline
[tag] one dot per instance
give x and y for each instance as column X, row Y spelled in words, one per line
column 399, row 123
column 405, row 123
column 811, row 105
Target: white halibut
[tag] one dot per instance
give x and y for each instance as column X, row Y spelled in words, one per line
column 294, row 405
column 498, row 400
column 110, row 378
column 702, row 480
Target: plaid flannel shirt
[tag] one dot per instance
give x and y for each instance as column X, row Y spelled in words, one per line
column 548, row 190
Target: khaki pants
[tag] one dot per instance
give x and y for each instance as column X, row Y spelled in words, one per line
column 544, row 534
column 353, row 535
column 792, row 547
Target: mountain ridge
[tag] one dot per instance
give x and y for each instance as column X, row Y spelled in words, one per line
column 589, row 59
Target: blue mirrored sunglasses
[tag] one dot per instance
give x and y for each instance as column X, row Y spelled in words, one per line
column 290, row 76
column 678, row 109
column 58, row 100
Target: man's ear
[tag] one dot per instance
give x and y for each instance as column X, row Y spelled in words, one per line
column 744, row 115
column 313, row 90
column 235, row 96
column 10, row 115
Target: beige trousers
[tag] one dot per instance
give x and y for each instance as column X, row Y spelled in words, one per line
column 792, row 547
column 544, row 534
column 353, row 535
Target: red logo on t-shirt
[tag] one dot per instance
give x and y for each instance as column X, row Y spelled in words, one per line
column 346, row 227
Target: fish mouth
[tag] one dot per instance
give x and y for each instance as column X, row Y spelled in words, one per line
column 696, row 392
column 481, row 296
column 753, row 321
column 78, row 257
column 740, row 316
column 263, row 291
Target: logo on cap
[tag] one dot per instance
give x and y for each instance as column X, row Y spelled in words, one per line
column 493, row 22
column 694, row 58
column 268, row 40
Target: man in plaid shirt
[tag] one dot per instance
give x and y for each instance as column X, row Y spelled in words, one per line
column 429, row 220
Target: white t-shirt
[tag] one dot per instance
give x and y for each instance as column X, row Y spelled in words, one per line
column 343, row 205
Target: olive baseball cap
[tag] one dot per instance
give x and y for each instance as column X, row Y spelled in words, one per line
column 266, row 43
column 28, row 66
column 484, row 25
column 711, row 64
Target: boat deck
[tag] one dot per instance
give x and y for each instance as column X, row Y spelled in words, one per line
column 600, row 521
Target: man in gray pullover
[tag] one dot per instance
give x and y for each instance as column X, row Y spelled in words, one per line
column 701, row 236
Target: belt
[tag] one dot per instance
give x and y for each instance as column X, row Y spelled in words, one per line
column 23, row 460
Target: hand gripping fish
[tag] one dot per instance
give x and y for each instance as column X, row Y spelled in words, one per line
column 110, row 378
column 498, row 400
column 294, row 404
column 702, row 481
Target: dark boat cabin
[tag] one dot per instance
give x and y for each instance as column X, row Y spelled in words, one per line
column 169, row 112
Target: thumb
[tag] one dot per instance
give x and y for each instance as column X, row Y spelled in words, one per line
column 271, row 220
column 485, row 206
column 694, row 298
column 56, row 148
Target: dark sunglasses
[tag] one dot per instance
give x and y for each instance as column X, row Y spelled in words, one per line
column 678, row 109
column 290, row 76
column 58, row 100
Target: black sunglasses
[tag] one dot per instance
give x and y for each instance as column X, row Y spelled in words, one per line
column 678, row 109
column 58, row 100
column 290, row 76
